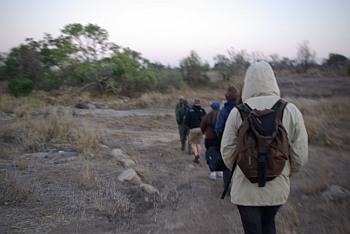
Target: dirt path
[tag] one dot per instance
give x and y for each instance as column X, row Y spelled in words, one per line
column 189, row 202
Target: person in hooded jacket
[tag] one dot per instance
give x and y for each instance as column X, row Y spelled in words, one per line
column 193, row 120
column 232, row 99
column 258, row 205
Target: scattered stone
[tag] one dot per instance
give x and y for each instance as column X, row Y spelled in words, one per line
column 123, row 158
column 6, row 116
column 131, row 176
column 103, row 146
column 62, row 156
column 83, row 105
column 191, row 166
column 101, row 106
column 127, row 162
column 117, row 153
column 149, row 188
column 64, row 160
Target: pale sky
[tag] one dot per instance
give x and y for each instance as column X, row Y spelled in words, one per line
column 166, row 31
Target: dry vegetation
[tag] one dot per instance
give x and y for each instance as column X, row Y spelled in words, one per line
column 43, row 193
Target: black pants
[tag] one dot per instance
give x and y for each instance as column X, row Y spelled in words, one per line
column 258, row 219
column 211, row 142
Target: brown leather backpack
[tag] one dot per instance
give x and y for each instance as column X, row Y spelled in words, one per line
column 262, row 143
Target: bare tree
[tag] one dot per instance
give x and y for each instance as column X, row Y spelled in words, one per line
column 305, row 56
column 224, row 66
column 257, row 56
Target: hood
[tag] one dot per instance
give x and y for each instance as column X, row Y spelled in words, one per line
column 259, row 80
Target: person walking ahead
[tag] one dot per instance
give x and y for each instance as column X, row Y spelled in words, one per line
column 193, row 120
column 208, row 129
column 180, row 112
column 258, row 205
column 232, row 99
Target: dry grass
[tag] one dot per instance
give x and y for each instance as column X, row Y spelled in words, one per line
column 88, row 138
column 287, row 219
column 325, row 118
column 314, row 184
column 57, row 126
column 152, row 100
column 40, row 123
column 60, row 126
column 109, row 200
column 87, row 175
column 23, row 106
column 12, row 191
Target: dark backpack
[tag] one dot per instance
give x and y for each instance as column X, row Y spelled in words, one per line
column 214, row 159
column 262, row 143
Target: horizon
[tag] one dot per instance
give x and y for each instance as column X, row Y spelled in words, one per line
column 166, row 31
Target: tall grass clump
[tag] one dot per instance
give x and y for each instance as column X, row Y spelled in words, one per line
column 13, row 191
column 22, row 106
column 87, row 138
column 55, row 126
column 58, row 126
column 7, row 103
column 111, row 200
column 87, row 175
column 326, row 120
column 152, row 100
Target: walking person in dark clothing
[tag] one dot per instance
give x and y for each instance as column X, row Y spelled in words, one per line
column 232, row 99
column 193, row 120
column 180, row 112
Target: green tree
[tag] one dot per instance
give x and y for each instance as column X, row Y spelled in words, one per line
column 84, row 46
column 167, row 77
column 337, row 60
column 23, row 63
column 193, row 70
column 87, row 43
column 126, row 76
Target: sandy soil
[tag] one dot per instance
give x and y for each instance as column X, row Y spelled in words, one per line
column 54, row 201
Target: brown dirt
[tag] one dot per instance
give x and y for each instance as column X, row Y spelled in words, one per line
column 50, row 198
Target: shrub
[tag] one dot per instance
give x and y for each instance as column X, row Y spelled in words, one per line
column 50, row 84
column 168, row 79
column 21, row 87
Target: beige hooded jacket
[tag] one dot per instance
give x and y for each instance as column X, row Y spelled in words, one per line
column 260, row 91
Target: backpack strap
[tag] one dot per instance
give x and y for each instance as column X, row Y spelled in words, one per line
column 279, row 107
column 244, row 110
column 227, row 185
